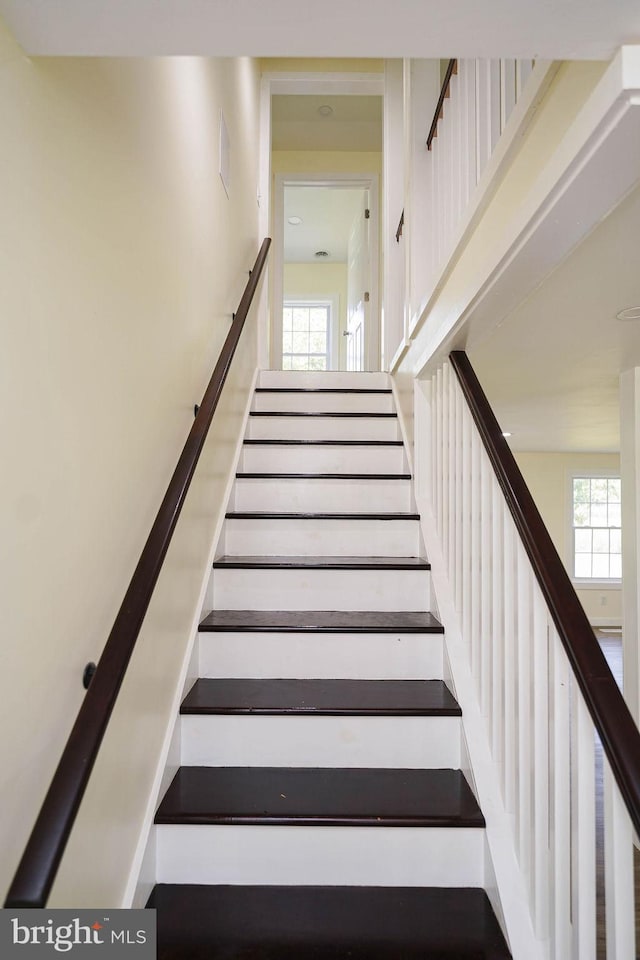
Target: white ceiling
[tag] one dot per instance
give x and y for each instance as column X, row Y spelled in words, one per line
column 551, row 368
column 553, row 29
column 327, row 215
column 354, row 124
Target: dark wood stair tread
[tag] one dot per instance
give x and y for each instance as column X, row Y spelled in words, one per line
column 397, row 698
column 323, row 390
column 320, row 796
column 322, row 476
column 320, row 563
column 322, row 621
column 340, row 414
column 324, row 443
column 267, row 515
column 198, row 922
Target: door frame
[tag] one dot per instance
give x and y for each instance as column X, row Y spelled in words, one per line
column 295, row 83
column 367, row 181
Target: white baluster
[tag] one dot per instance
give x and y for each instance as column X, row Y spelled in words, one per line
column 486, row 479
column 583, row 823
column 439, row 451
column 470, row 149
column 507, row 90
column 541, row 765
column 496, row 636
column 451, row 486
column 525, row 740
column 560, row 800
column 510, row 679
column 494, row 103
column 618, row 871
column 458, row 515
column 476, row 545
column 466, row 521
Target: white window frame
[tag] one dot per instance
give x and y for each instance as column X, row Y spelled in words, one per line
column 321, row 300
column 587, row 583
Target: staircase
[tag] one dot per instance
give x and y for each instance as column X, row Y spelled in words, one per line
column 320, row 811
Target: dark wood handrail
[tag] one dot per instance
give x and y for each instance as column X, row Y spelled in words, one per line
column 452, row 68
column 39, row 864
column 609, row 712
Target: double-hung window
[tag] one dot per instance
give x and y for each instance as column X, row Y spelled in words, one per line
column 306, row 330
column 596, row 528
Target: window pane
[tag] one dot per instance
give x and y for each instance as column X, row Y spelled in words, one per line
column 599, row 489
column 286, row 363
column 582, row 541
column 582, row 565
column 614, row 491
column 599, row 515
column 581, row 515
column 299, row 363
column 600, row 541
column 301, row 318
column 318, row 318
column 615, row 540
column 301, row 343
column 581, row 490
column 287, row 343
column 614, row 515
column 317, row 363
column 317, row 343
column 600, row 565
column 615, row 566
column 287, row 317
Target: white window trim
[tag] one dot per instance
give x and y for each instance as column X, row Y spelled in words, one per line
column 323, row 300
column 586, row 583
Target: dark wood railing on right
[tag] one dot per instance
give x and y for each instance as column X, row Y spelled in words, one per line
column 452, row 69
column 609, row 712
column 41, row 859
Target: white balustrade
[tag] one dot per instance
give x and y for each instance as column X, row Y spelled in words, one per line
column 482, row 95
column 540, row 732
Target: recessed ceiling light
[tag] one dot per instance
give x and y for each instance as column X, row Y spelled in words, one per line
column 321, row 253
column 631, row 313
column 294, row 221
column 506, row 433
column 325, row 110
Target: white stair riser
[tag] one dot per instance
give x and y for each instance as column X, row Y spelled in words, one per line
column 323, row 428
column 334, row 380
column 295, row 589
column 322, row 538
column 309, row 459
column 325, row 402
column 372, row 856
column 343, row 656
column 322, row 495
column 296, row 741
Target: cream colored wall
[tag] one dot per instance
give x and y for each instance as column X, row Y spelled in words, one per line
column 325, row 161
column 548, row 476
column 308, row 279
column 121, row 260
column 322, row 65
